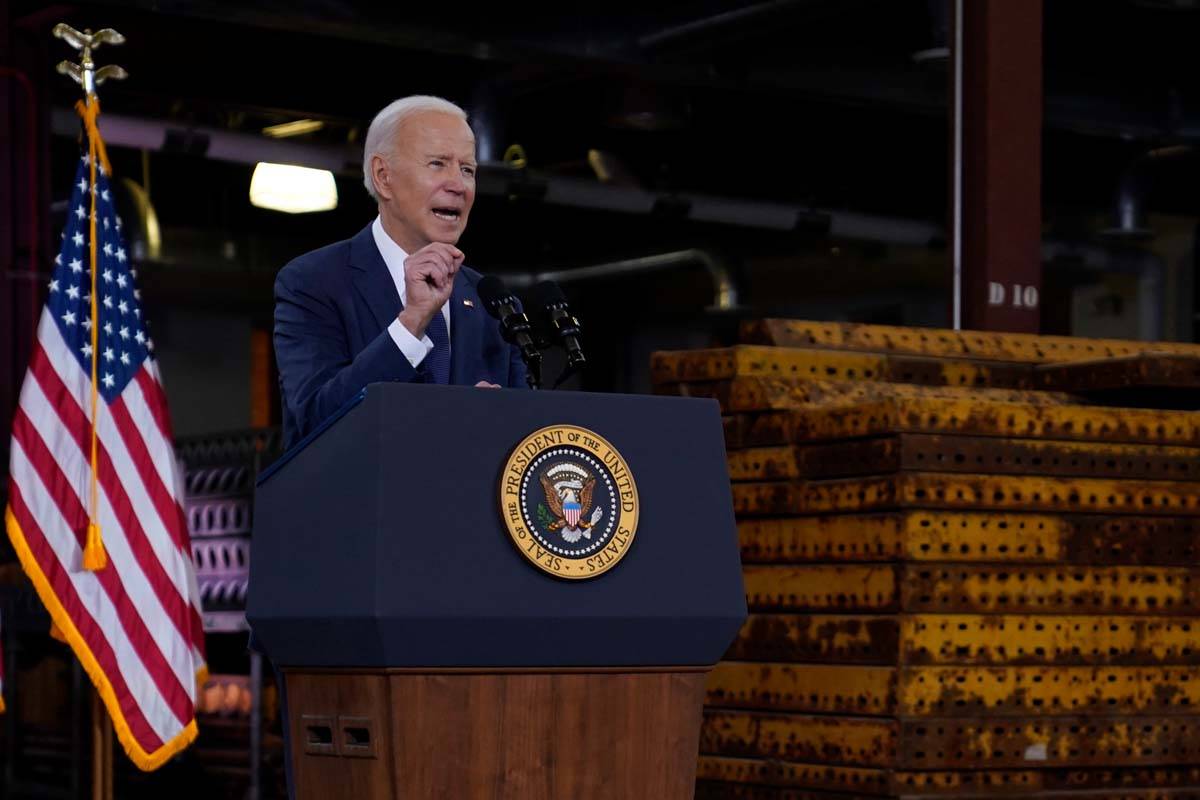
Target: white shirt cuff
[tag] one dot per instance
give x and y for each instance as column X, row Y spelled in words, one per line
column 414, row 349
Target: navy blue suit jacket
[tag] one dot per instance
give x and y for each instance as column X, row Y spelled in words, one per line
column 332, row 310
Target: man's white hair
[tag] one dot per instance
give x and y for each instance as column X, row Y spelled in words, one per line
column 381, row 136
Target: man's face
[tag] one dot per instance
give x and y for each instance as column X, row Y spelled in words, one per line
column 428, row 185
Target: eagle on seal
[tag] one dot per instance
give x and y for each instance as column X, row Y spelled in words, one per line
column 570, row 502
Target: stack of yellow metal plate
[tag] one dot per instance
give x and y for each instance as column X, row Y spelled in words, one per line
column 960, row 585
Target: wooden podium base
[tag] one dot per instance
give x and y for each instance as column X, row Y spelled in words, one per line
column 472, row 735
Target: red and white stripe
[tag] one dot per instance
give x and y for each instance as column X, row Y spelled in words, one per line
column 139, row 617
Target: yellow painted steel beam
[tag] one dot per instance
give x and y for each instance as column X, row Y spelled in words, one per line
column 808, row 688
column 787, row 774
column 1041, row 639
column 822, row 587
column 983, row 454
column 978, row 417
column 974, row 588
column 798, row 737
column 939, row 342
column 971, row 536
column 1053, row 741
column 953, row 743
column 970, row 639
column 837, row 638
column 979, row 691
column 746, row 394
column 927, row 490
column 810, row 364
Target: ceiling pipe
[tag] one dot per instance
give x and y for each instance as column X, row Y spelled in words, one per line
column 725, row 290
column 500, row 179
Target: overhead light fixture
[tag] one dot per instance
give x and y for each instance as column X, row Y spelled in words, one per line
column 295, row 128
column 292, row 189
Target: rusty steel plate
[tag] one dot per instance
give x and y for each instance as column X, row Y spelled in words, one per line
column 974, row 588
column 857, row 741
column 759, row 393
column 927, row 490
column 1040, row 589
column 769, row 778
column 953, row 743
column 832, row 638
column 750, row 394
column 1167, row 371
column 1128, row 783
column 795, row 363
column 822, row 587
column 786, row 774
column 1050, row 741
column 773, row 362
column 911, row 452
column 980, row 417
column 940, row 342
column 909, row 692
column 971, row 536
column 1044, row 639
column 806, row 688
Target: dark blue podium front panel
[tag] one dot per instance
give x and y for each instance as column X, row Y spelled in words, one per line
column 380, row 543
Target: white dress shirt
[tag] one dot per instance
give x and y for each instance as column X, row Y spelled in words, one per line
column 414, row 349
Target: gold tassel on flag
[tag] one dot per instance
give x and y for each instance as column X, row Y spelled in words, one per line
column 94, row 557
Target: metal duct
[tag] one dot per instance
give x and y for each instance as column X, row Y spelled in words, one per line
column 725, row 291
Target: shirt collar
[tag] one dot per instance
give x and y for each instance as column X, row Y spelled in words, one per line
column 393, row 255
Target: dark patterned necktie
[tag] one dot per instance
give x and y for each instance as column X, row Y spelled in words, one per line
column 438, row 360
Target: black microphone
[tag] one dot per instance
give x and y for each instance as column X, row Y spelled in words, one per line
column 551, row 304
column 515, row 327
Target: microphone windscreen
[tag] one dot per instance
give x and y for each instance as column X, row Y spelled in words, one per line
column 547, row 293
column 492, row 292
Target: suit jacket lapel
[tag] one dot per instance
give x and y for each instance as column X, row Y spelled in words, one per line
column 372, row 279
column 466, row 331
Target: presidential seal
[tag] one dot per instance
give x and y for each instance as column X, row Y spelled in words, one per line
column 569, row 502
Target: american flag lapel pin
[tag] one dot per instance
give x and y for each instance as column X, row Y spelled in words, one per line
column 468, row 303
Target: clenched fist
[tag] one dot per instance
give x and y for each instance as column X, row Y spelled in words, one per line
column 428, row 280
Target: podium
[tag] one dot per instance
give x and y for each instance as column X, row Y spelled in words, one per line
column 427, row 653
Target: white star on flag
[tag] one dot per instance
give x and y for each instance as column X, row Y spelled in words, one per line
column 108, row 354
column 69, row 318
column 73, row 292
column 87, row 323
column 107, row 301
column 104, row 194
column 77, row 239
column 124, row 357
column 123, row 307
column 79, row 212
column 141, row 337
column 87, row 350
column 58, row 260
column 121, row 278
column 108, row 249
column 108, row 328
column 54, row 284
column 76, row 265
column 108, row 380
column 121, row 256
column 105, row 221
column 107, row 274
column 124, row 332
column 83, row 184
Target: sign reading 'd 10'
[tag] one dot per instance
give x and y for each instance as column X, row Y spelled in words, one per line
column 1017, row 296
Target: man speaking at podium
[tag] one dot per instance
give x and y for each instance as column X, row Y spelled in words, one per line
column 394, row 303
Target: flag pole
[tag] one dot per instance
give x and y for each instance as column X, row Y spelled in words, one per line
column 86, row 74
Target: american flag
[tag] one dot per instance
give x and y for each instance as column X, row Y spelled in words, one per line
column 135, row 623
